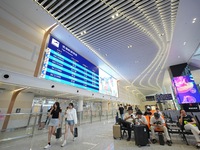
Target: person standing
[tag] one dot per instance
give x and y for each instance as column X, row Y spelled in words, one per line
column 121, row 111
column 54, row 122
column 70, row 122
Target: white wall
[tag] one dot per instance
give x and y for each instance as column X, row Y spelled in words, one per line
column 23, row 101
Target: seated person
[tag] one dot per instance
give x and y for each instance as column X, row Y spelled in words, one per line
column 158, row 111
column 141, row 120
column 158, row 123
column 148, row 112
column 189, row 123
column 128, row 121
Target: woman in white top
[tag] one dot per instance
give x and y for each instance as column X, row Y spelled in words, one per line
column 70, row 121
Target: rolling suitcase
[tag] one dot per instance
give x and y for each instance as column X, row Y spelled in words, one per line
column 141, row 135
column 117, row 131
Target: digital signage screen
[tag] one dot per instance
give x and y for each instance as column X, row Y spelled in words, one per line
column 62, row 64
column 186, row 90
column 107, row 84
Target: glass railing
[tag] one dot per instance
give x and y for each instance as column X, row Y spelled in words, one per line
column 21, row 125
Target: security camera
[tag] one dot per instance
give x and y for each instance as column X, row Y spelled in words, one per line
column 6, row 76
column 52, row 86
column 77, row 91
column 92, row 94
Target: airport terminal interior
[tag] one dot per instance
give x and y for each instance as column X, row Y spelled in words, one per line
column 98, row 66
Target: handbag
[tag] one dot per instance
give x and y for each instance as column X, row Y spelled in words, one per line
column 75, row 132
column 58, row 133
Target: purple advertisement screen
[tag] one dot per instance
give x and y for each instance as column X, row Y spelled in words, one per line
column 186, row 90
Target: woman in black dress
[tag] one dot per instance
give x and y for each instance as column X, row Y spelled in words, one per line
column 55, row 121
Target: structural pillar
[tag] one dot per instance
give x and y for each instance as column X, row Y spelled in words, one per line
column 80, row 110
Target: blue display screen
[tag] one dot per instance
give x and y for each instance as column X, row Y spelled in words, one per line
column 61, row 64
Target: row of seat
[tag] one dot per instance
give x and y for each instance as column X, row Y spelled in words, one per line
column 172, row 124
column 172, row 117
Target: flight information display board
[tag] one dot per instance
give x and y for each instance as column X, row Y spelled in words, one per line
column 61, row 64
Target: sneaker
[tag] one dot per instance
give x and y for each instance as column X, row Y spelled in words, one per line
column 154, row 141
column 128, row 139
column 47, row 146
column 64, row 143
column 74, row 138
column 169, row 143
column 198, row 145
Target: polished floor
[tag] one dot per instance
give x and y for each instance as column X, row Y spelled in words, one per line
column 95, row 136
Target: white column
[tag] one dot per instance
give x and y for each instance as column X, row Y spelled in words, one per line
column 105, row 105
column 80, row 104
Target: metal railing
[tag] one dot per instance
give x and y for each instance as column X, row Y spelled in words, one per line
column 23, row 125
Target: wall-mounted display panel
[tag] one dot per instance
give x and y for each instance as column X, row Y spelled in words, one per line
column 62, row 64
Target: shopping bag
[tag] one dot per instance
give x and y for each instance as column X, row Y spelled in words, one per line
column 75, row 132
column 58, row 133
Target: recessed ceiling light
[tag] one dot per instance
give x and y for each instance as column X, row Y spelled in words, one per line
column 129, row 46
column 184, row 43
column 179, row 56
column 106, row 54
column 115, row 15
column 194, row 19
column 83, row 33
column 161, row 34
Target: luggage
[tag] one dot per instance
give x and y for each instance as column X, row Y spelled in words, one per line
column 161, row 138
column 141, row 135
column 58, row 133
column 75, row 132
column 117, row 131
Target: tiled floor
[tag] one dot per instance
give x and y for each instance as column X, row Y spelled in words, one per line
column 96, row 136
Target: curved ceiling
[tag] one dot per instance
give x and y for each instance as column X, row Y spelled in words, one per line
column 131, row 36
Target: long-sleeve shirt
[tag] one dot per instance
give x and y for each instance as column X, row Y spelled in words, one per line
column 71, row 115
